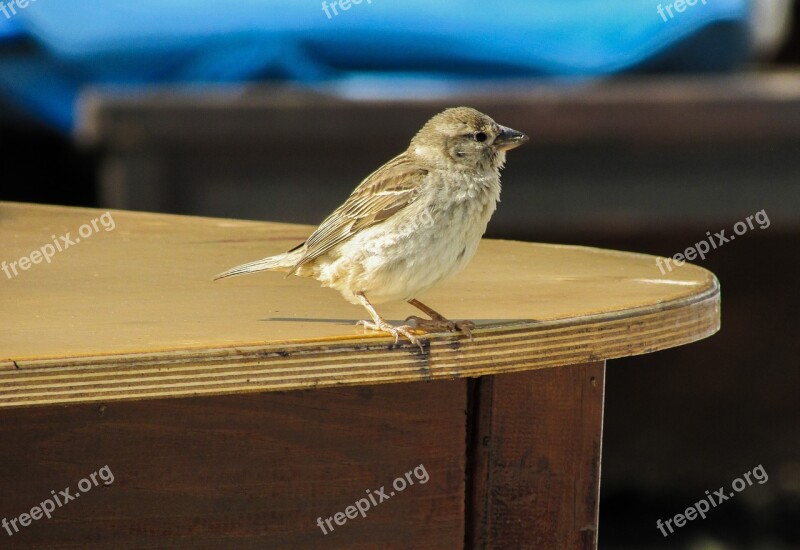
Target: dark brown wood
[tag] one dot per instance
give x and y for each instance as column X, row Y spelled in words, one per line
column 535, row 475
column 662, row 110
column 230, row 152
column 242, row 471
column 258, row 470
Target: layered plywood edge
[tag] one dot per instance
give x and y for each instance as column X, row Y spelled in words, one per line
column 372, row 359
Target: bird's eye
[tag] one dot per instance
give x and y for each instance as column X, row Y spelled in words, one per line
column 480, row 137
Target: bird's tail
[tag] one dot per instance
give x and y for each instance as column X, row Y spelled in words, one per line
column 281, row 262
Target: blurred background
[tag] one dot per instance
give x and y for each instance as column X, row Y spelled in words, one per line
column 651, row 123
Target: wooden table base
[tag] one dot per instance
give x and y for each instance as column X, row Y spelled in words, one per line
column 536, row 459
column 511, row 461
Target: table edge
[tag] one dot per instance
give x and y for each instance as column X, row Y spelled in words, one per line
column 361, row 359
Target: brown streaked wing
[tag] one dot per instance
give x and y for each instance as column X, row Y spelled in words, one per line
column 383, row 193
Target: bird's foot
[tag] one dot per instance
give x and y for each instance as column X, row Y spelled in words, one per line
column 397, row 332
column 439, row 323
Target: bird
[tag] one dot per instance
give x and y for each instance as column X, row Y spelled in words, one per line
column 409, row 225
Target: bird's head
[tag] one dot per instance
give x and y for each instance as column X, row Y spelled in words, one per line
column 465, row 139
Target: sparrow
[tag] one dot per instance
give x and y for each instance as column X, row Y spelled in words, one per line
column 414, row 222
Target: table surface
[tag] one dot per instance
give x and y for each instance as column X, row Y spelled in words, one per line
column 132, row 312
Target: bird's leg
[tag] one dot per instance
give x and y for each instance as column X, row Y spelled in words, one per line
column 378, row 323
column 438, row 321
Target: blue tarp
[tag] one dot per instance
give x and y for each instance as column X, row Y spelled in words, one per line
column 50, row 49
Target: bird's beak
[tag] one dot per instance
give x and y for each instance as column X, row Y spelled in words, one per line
column 508, row 139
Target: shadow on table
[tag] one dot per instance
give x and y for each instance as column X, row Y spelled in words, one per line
column 478, row 322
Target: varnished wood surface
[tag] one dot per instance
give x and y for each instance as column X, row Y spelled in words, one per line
column 133, row 312
column 242, row 471
column 535, row 474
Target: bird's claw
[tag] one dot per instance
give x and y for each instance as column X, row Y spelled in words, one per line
column 439, row 323
column 466, row 327
column 404, row 331
column 431, row 324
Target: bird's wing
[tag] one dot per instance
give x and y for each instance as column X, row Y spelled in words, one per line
column 383, row 193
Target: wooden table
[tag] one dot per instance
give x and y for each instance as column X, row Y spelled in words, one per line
column 236, row 413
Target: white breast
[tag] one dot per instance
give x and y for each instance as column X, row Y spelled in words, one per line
column 428, row 241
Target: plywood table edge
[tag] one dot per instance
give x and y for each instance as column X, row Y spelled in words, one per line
column 361, row 359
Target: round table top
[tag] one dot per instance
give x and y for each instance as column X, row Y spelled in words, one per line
column 128, row 309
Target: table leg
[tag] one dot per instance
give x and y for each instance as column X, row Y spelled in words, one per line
column 535, row 458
